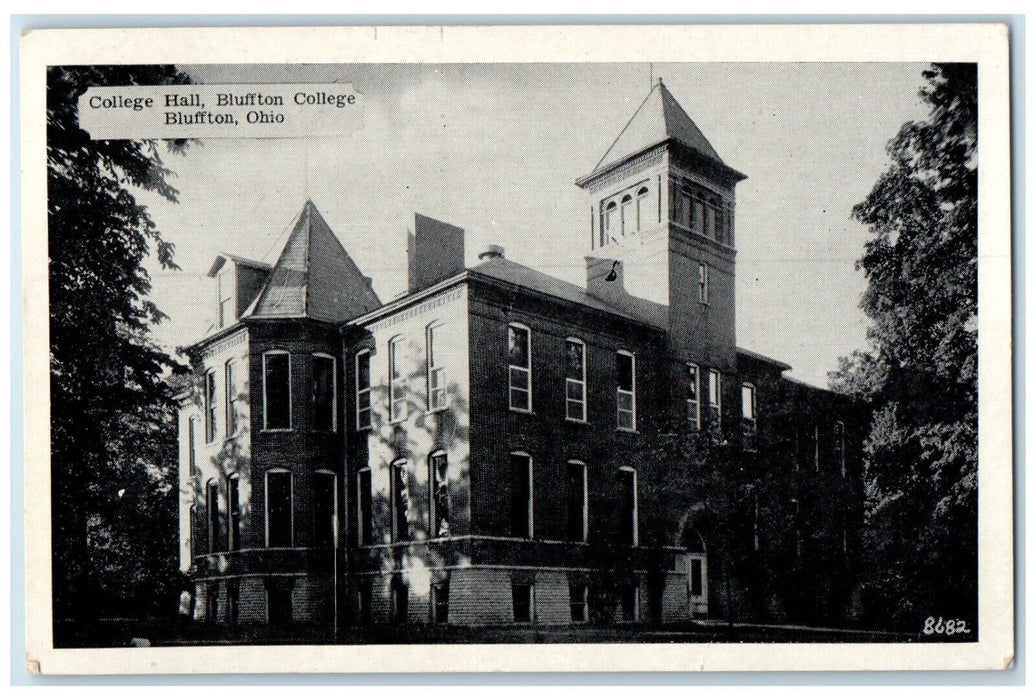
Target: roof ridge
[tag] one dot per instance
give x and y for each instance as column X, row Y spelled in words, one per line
column 628, row 122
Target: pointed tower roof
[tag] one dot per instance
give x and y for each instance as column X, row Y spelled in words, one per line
column 314, row 277
column 658, row 119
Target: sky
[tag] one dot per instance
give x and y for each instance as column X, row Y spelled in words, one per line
column 496, row 150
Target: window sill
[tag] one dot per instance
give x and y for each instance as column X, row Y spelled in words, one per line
column 363, row 429
column 576, row 421
column 277, row 430
column 440, row 409
column 526, row 411
column 633, row 431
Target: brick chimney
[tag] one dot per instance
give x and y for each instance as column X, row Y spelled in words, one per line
column 435, row 252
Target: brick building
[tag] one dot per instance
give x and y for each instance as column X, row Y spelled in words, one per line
column 496, row 445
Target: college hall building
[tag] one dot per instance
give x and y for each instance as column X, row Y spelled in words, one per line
column 489, row 447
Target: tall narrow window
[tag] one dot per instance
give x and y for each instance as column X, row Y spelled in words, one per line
column 679, row 207
column 365, row 508
column 697, row 582
column 687, row 217
column 575, row 380
column 698, row 217
column 703, row 283
column 519, row 367
column 521, row 495
column 721, row 228
column 210, row 406
column 441, row 602
column 363, row 390
column 608, row 222
column 710, row 222
column 324, row 517
column 400, row 600
column 715, row 396
column 276, row 390
column 576, row 501
column 279, row 518
column 693, row 396
column 642, row 212
column 234, row 512
column 195, row 549
column 627, row 215
column 397, row 383
column 230, row 370
column 626, row 390
column 400, row 501
column 521, row 601
column 577, row 603
column 325, row 405
column 192, row 453
column 212, row 513
column 748, row 415
column 629, row 527
column 436, row 369
column 438, row 478
column 839, row 440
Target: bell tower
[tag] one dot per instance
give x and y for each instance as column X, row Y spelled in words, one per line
column 662, row 205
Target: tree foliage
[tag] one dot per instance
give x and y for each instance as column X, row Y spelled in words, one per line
column 113, row 441
column 920, row 374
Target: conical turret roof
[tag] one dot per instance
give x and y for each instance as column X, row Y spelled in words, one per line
column 314, row 277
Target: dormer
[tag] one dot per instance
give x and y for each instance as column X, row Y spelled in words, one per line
column 238, row 282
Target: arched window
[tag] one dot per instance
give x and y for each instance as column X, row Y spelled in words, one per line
column 608, row 223
column 325, row 402
column 521, row 495
column 628, row 507
column 627, row 215
column 279, row 509
column 439, row 498
column 325, row 516
column 234, row 512
column 400, row 472
column 276, row 390
column 642, row 214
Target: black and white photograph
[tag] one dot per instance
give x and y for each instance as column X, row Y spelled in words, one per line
column 359, row 355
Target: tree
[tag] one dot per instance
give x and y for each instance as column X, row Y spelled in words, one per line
column 112, row 438
column 920, row 374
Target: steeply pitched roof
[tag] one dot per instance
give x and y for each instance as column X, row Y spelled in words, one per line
column 658, row 119
column 639, row 310
column 314, row 277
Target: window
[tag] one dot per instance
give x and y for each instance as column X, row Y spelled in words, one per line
column 715, row 396
column 710, row 222
column 630, row 601
column 627, row 215
column 438, row 478
column 577, row 603
column 626, row 390
column 400, row 501
column 325, row 405
column 436, row 370
column 212, row 606
column 521, row 495
column 234, row 511
column 212, row 511
column 839, row 440
column 397, row 384
column 693, row 396
column 685, row 209
column 703, row 283
column 225, row 281
column 279, row 519
column 576, row 501
column 441, row 602
column 628, row 506
column 232, row 602
column 232, row 397
column 698, row 217
column 324, row 516
column 521, row 601
column 608, row 222
column 519, row 367
column 192, row 453
column 365, row 510
column 642, row 194
column 194, row 531
column 210, row 406
column 697, row 582
column 575, row 380
column 721, row 219
column 363, row 390
column 278, row 601
column 748, row 415
column 400, row 600
column 276, row 390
